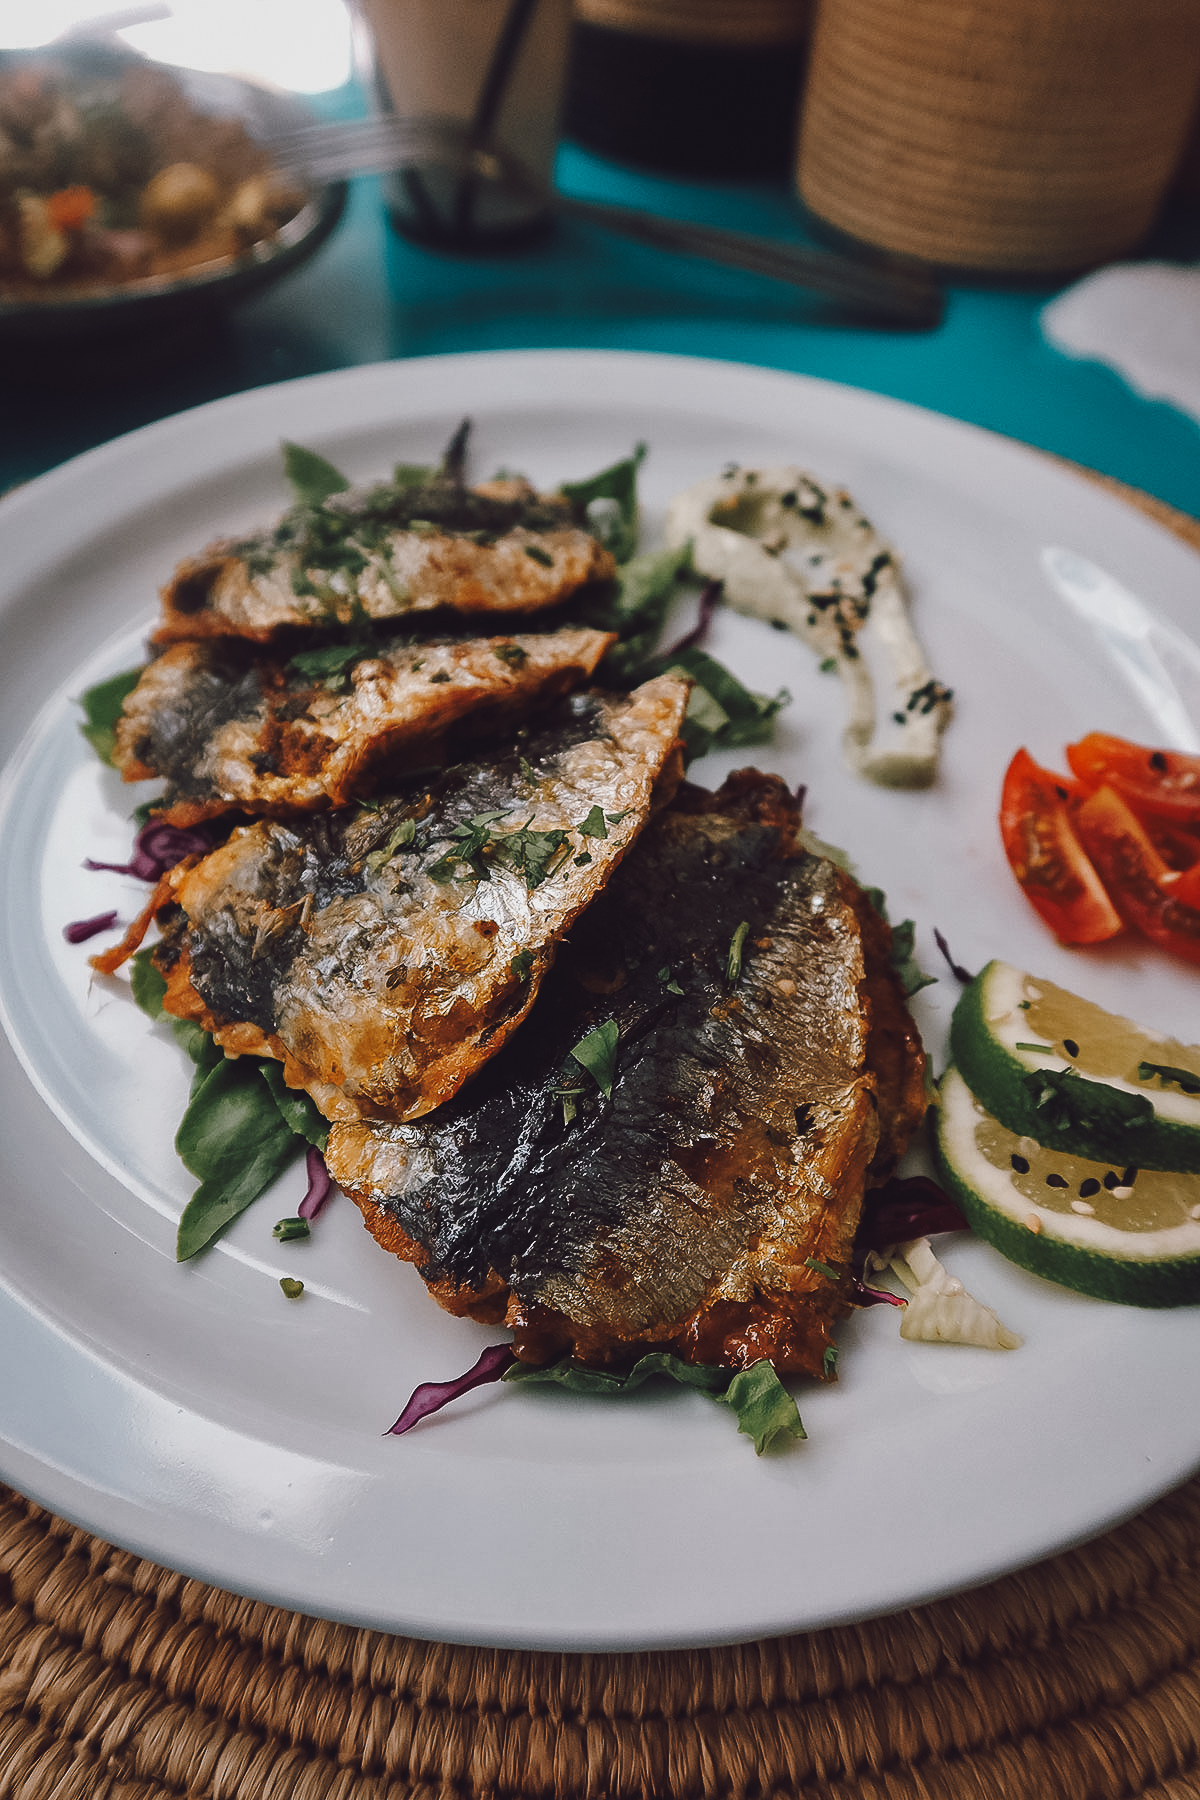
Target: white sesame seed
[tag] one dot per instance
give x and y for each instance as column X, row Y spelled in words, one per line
column 1122, row 1193
column 1082, row 1206
column 1033, row 1223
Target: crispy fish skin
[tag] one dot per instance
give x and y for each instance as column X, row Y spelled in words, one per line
column 231, row 729
column 687, row 1211
column 385, row 553
column 381, row 966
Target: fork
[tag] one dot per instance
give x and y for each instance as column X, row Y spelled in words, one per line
column 882, row 295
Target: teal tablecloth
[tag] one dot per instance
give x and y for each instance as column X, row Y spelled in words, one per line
column 369, row 296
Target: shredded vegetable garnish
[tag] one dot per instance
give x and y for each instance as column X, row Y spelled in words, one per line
column 82, row 929
column 431, row 1396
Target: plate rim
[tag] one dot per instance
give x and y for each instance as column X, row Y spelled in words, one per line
column 125, row 454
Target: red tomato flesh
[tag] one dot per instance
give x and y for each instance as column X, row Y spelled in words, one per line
column 1163, row 784
column 1046, row 856
column 1144, row 889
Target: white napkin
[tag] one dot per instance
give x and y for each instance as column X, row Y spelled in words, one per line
column 1143, row 320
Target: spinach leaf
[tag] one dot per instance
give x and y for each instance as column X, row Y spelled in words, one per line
column 146, row 984
column 236, row 1139
column 102, row 707
column 297, row 1108
column 312, row 479
column 606, row 504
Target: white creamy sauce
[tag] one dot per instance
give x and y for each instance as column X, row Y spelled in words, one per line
column 791, row 552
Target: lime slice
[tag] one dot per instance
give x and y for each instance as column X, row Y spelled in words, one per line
column 1127, row 1234
column 1059, row 1069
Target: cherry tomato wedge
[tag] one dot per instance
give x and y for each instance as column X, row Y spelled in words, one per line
column 1165, row 784
column 1133, row 873
column 1046, row 856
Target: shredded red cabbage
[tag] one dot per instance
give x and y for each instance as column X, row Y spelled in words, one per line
column 906, row 1208
column 82, row 929
column 710, row 598
column 320, row 1185
column 431, row 1396
column 956, row 969
column 157, row 848
column 862, row 1295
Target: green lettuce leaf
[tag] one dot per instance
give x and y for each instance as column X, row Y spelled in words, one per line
column 606, row 504
column 578, row 1379
column 721, row 713
column 102, row 706
column 311, row 478
column 911, row 975
column 764, row 1408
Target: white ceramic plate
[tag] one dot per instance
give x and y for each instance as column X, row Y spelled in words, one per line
column 196, row 1416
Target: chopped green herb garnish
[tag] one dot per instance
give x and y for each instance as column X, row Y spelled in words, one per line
column 1068, row 1102
column 331, row 662
column 733, row 962
column 402, row 835
column 291, row 1287
column 407, row 475
column 581, row 861
column 615, row 818
column 593, row 826
column 597, row 1053
column 312, row 479
column 668, row 980
column 829, row 1362
column 512, row 654
column 440, row 675
column 1182, row 1078
column 287, row 1229
column 526, row 769
column 537, row 554
column 821, row 1268
column 829, row 664
column 521, row 965
column 1036, row 1049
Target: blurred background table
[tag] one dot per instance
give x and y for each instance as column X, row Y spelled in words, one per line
column 368, row 295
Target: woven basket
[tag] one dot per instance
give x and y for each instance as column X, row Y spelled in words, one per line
column 1030, row 136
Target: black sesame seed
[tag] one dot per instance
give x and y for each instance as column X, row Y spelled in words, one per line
column 1057, row 1181
column 1088, row 1188
column 1158, row 762
column 1019, row 1164
column 1061, row 791
column 1112, row 1179
column 1071, row 1047
column 803, row 1119
column 1129, row 1177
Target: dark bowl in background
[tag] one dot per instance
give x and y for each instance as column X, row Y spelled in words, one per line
column 158, row 319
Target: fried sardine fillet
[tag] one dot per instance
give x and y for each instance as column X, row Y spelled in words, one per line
column 384, row 953
column 765, row 1065
column 383, row 553
column 231, row 728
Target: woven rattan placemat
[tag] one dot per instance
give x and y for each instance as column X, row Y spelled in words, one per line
column 1075, row 1680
